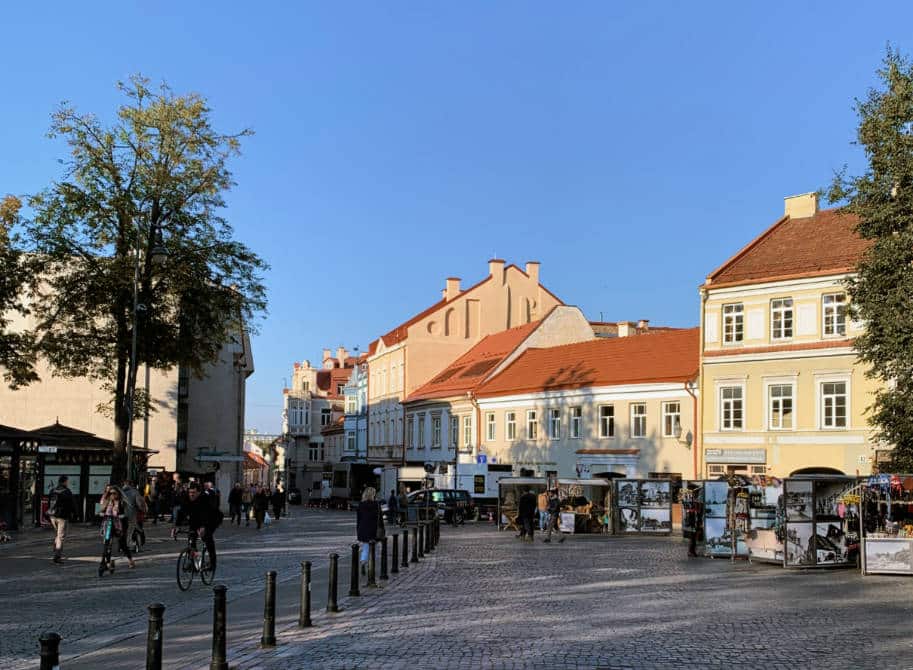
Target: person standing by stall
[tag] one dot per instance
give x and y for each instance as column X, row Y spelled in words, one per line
column 554, row 516
column 542, row 505
column 526, row 513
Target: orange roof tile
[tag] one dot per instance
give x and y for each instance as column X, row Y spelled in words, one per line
column 823, row 244
column 465, row 373
column 664, row 357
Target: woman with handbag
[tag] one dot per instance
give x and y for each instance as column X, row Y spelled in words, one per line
column 369, row 525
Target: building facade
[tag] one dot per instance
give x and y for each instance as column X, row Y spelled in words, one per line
column 355, row 425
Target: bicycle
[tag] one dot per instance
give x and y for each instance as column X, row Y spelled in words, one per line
column 192, row 561
column 107, row 533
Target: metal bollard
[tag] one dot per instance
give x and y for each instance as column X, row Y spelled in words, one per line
column 304, row 606
column 437, row 532
column 154, row 637
column 372, row 546
column 353, row 575
column 219, row 662
column 405, row 547
column 414, row 544
column 428, row 532
column 268, row 639
column 383, row 559
column 395, row 566
column 334, row 577
column 421, row 539
column 50, row 651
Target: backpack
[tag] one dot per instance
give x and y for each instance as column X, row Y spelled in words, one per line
column 52, row 504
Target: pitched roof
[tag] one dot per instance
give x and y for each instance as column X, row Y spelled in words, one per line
column 465, row 373
column 327, row 380
column 823, row 244
column 664, row 357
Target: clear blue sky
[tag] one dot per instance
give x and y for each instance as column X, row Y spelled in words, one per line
column 629, row 147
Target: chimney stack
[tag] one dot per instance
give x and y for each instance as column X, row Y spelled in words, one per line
column 496, row 269
column 801, row 206
column 643, row 324
column 626, row 328
column 453, row 288
column 532, row 269
column 341, row 356
column 326, row 355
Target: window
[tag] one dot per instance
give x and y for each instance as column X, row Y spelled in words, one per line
column 731, row 408
column 421, row 431
column 532, row 425
column 833, row 404
column 467, row 432
column 490, row 426
column 350, row 441
column 576, row 416
column 313, row 451
column 454, row 431
column 435, row 432
column 410, row 430
column 781, row 318
column 510, row 426
column 350, row 404
column 607, row 421
column 554, row 424
column 833, row 307
column 340, row 389
column 733, row 323
column 305, row 385
column 325, row 417
column 672, row 419
column 639, row 419
column 780, row 406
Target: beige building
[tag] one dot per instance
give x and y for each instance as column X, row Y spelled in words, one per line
column 415, row 351
column 606, row 407
column 781, row 388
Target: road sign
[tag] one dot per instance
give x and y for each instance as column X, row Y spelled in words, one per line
column 481, row 459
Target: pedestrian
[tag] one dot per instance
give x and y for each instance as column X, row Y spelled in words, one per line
column 542, row 506
column 247, row 497
column 276, row 501
column 393, row 508
column 234, row 503
column 214, row 495
column 60, row 510
column 113, row 511
column 526, row 508
column 260, row 504
column 135, row 512
column 178, row 494
column 403, row 504
column 554, row 515
column 369, row 526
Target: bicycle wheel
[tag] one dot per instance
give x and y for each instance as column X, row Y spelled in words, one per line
column 185, row 570
column 207, row 572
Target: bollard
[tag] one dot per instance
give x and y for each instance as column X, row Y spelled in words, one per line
column 154, row 637
column 219, row 622
column 437, row 532
column 421, row 539
column 405, row 547
column 428, row 532
column 334, row 575
column 353, row 581
column 383, row 559
column 50, row 651
column 372, row 546
column 304, row 607
column 395, row 566
column 414, row 544
column 268, row 639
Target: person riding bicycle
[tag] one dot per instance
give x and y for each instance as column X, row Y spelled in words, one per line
column 202, row 518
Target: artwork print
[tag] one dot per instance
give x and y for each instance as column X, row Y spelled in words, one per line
column 655, row 520
column 629, row 519
column 800, row 544
column 655, row 494
column 627, row 493
column 798, row 501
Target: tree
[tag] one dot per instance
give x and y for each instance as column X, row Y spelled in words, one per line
column 882, row 290
column 154, row 180
column 17, row 354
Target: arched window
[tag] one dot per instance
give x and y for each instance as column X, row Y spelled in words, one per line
column 449, row 322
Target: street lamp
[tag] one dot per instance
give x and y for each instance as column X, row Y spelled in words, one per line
column 157, row 253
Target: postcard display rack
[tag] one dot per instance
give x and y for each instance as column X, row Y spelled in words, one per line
column 643, row 506
column 822, row 522
column 887, row 520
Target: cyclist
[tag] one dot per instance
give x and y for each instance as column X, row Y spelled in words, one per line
column 202, row 518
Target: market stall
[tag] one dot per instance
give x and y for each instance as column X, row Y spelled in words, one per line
column 509, row 491
column 643, row 505
column 584, row 505
column 821, row 522
column 886, row 505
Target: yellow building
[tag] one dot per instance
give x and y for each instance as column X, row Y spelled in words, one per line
column 781, row 388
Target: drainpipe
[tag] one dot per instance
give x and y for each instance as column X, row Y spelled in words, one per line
column 475, row 403
column 402, row 408
column 694, row 431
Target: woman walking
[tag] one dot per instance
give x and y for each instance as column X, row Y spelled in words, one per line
column 369, row 523
column 113, row 514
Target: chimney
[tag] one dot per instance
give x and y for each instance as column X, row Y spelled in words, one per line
column 341, row 356
column 644, row 325
column 496, row 269
column 532, row 269
column 453, row 288
column 326, row 355
column 801, row 206
column 626, row 328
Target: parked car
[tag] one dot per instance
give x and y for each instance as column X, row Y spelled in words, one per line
column 294, row 496
column 453, row 505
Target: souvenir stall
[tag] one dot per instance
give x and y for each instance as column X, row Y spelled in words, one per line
column 643, row 506
column 766, row 531
column 585, row 505
column 821, row 521
column 509, row 491
column 887, row 525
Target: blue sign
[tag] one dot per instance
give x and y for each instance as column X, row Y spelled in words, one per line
column 481, row 458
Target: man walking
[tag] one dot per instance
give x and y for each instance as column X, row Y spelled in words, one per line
column 542, row 505
column 526, row 508
column 554, row 516
column 234, row 503
column 60, row 511
column 393, row 508
column 136, row 512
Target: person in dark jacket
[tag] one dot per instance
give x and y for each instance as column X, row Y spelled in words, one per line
column 234, row 503
column 393, row 508
column 60, row 511
column 526, row 508
column 554, row 513
column 202, row 518
column 260, row 504
column 276, row 500
column 369, row 523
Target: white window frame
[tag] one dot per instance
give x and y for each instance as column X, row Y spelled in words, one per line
column 510, row 426
column 733, row 323
column 676, row 418
column 576, row 422
column 722, row 408
column 351, row 440
column 436, row 432
column 638, row 420
column 782, row 307
column 325, row 416
column 351, row 404
column 410, row 431
column 467, row 432
column 421, row 430
column 490, row 426
column 606, row 422
column 823, row 398
column 836, row 311
column 554, row 423
column 454, row 431
column 771, row 401
column 532, row 425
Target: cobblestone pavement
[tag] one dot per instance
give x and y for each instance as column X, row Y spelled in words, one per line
column 109, row 613
column 484, row 600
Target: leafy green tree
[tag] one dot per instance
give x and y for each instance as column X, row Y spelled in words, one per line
column 17, row 356
column 141, row 201
column 882, row 291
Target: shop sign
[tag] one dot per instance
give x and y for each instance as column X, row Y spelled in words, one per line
column 735, row 455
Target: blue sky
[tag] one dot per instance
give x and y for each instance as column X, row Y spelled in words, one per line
column 629, row 147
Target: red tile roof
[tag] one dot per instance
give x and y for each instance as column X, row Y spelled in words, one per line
column 823, row 244
column 671, row 356
column 465, row 373
column 328, row 379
